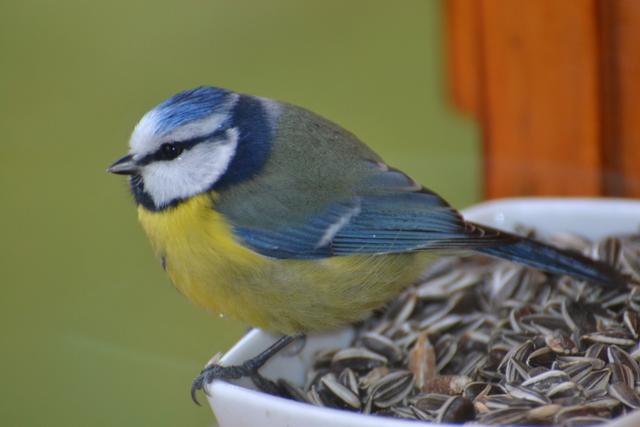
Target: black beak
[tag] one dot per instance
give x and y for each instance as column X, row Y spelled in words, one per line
column 124, row 166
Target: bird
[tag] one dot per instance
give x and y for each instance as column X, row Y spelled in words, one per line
column 273, row 215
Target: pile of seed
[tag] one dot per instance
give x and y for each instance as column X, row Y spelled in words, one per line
column 488, row 341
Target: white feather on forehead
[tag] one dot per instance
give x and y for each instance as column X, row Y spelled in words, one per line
column 191, row 173
column 146, row 139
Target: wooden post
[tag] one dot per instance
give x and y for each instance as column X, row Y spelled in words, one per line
column 464, row 54
column 620, row 61
column 553, row 84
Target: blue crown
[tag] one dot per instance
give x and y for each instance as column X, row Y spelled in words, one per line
column 190, row 105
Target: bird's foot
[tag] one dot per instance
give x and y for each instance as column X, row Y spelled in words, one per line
column 234, row 372
column 249, row 369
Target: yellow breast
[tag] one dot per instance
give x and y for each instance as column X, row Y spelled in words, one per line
column 198, row 251
column 206, row 263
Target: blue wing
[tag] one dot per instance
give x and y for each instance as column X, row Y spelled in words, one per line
column 390, row 213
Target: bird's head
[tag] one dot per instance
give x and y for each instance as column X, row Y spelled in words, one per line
column 196, row 141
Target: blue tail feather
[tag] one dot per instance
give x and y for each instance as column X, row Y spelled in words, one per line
column 558, row 261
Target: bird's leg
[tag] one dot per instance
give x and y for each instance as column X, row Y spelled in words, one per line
column 248, row 369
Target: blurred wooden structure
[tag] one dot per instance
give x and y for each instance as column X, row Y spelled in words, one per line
column 555, row 85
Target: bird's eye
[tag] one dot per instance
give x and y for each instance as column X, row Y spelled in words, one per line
column 169, row 151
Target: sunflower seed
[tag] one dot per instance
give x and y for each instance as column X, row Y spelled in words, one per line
column 515, row 371
column 322, row 359
column 420, row 415
column 403, row 308
column 559, row 342
column 608, row 250
column 446, row 384
column 546, row 379
column 475, row 390
column 541, row 357
column 382, row 345
column 632, row 322
column 570, row 412
column 617, row 355
column 341, row 393
column 392, row 388
column 313, row 397
column 446, row 348
column 621, row 374
column 625, row 394
column 578, row 370
column 443, row 324
column 372, row 377
column 595, row 351
column 567, row 363
column 561, row 389
column 472, row 363
column 447, row 284
column 358, row 359
column 403, row 412
column 429, row 402
column 519, row 392
column 456, row 409
column 596, row 380
column 519, row 353
column 609, row 338
column 506, row 416
column 544, row 412
column 348, row 379
column 570, row 310
column 630, row 258
column 422, row 360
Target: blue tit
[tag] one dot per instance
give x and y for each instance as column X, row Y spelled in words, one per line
column 273, row 215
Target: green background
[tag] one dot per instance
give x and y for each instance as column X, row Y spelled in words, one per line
column 92, row 331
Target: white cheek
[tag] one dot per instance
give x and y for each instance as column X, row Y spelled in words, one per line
column 195, row 171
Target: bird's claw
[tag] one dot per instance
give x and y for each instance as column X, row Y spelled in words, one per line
column 218, row 372
column 197, row 384
column 215, row 371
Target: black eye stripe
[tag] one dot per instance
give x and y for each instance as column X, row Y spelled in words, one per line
column 180, row 146
column 168, row 151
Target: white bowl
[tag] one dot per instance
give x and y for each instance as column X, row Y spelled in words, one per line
column 240, row 405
